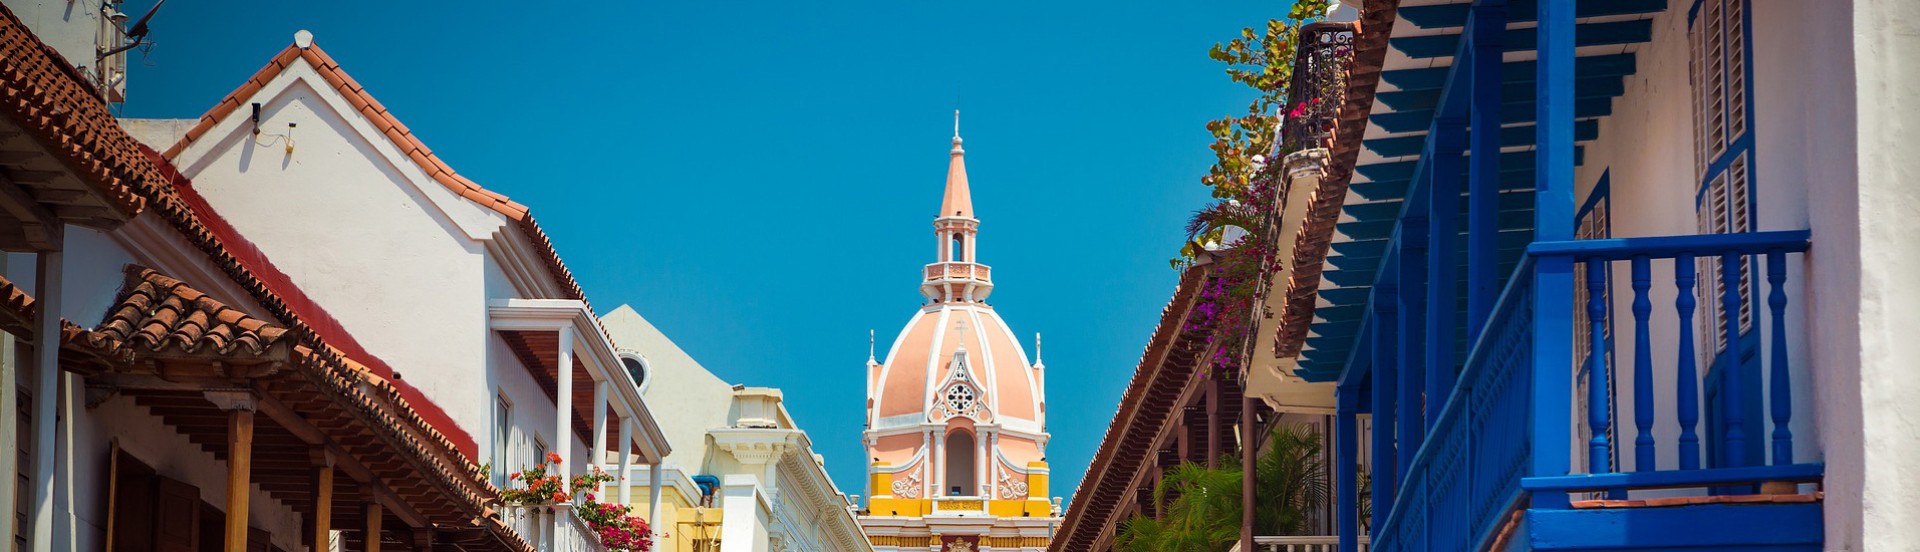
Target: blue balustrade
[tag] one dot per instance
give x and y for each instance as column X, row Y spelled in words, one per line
column 1479, row 461
column 1469, row 472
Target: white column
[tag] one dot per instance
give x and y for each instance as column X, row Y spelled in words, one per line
column 599, row 444
column 653, row 498
column 46, row 364
column 982, row 465
column 563, row 404
column 626, row 461
column 9, row 433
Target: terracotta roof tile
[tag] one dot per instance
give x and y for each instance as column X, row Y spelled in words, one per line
column 157, row 313
column 65, row 114
column 404, row 139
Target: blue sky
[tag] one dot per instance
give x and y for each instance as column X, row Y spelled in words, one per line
column 759, row 179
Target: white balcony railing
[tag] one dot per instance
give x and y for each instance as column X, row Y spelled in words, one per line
column 1327, row 543
column 552, row 528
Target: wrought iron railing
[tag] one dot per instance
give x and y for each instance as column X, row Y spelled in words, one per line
column 1318, row 87
column 551, row 528
column 1479, row 459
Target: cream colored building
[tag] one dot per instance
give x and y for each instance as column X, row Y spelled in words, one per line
column 742, row 476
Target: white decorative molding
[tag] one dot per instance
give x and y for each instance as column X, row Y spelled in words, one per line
column 1011, row 488
column 959, row 396
column 909, row 486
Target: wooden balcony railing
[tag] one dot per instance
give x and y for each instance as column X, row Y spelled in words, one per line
column 1486, row 452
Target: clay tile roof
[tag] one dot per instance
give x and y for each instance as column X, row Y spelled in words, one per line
column 157, row 313
column 16, row 309
column 49, row 99
column 400, row 135
column 1135, row 422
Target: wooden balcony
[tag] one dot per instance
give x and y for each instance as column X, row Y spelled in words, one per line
column 1528, row 395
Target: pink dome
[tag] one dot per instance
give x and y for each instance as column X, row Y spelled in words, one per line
column 921, row 360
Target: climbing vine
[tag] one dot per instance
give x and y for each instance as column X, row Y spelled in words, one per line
column 1244, row 180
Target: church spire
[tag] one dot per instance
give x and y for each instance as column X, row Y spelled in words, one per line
column 958, row 201
column 956, row 275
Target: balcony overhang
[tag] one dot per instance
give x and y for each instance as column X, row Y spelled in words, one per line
column 534, row 328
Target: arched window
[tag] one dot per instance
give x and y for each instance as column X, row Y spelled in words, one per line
column 959, row 253
column 960, row 464
column 636, row 369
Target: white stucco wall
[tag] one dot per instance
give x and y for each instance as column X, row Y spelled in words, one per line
column 685, row 398
column 398, row 260
column 361, row 239
column 1860, row 143
column 69, row 27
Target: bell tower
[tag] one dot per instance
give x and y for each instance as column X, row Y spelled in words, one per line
column 956, row 275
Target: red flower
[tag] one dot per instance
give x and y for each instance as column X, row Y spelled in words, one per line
column 553, row 458
column 514, row 475
column 559, row 496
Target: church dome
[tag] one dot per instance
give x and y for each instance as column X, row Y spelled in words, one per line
column 922, row 365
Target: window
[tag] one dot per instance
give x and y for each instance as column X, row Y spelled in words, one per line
column 636, row 369
column 959, row 250
column 539, row 452
column 960, row 464
column 1722, row 143
column 960, row 398
column 502, row 431
column 1720, row 71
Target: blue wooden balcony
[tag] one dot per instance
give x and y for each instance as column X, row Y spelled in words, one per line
column 1462, row 315
column 1503, row 440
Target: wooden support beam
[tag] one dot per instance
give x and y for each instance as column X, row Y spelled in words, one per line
column 42, row 229
column 322, row 499
column 239, row 407
column 374, row 515
column 423, row 539
column 284, row 415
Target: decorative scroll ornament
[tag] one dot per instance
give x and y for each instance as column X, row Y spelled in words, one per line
column 1011, row 488
column 908, row 487
column 959, row 546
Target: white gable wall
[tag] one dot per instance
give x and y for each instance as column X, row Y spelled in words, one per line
column 397, row 259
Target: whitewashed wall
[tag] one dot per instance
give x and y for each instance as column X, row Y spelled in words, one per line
column 1860, row 134
column 400, row 261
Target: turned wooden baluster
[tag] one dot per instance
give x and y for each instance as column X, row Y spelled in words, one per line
column 1782, row 397
column 1687, row 376
column 1598, row 454
column 1643, row 456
